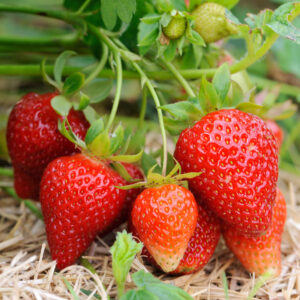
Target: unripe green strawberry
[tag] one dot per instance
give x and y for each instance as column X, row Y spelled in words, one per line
column 211, row 22
column 176, row 28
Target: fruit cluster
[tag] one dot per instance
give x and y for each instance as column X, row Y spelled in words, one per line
column 229, row 157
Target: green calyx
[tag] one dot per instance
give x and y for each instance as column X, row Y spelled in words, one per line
column 211, row 22
column 224, row 91
column 102, row 144
column 156, row 180
column 176, row 27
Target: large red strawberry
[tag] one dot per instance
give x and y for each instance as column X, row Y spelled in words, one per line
column 276, row 130
column 79, row 200
column 33, row 140
column 165, row 219
column 260, row 254
column 237, row 155
column 201, row 245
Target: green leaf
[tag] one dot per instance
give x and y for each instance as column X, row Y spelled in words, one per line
column 70, row 288
column 170, row 51
column 116, row 139
column 221, row 82
column 227, row 3
column 125, row 9
column 175, row 126
column 141, row 294
column 192, row 57
column 184, row 110
column 61, row 105
column 121, row 170
column 73, row 83
column 210, row 94
column 280, row 21
column 100, row 145
column 161, row 290
column 109, row 13
column 65, row 129
column 148, row 162
column 130, row 158
column 194, row 37
column 99, row 89
column 90, row 114
column 123, row 253
column 179, row 4
column 237, row 95
column 251, row 108
column 94, row 130
column 84, row 101
column 60, row 64
column 150, row 19
column 147, row 36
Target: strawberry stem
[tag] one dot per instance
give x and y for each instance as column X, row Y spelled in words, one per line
column 179, row 77
column 100, row 65
column 118, row 89
column 143, row 108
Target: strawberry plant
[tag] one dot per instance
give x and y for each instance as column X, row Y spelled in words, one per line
column 104, row 77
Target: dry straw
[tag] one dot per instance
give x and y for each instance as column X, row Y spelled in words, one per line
column 27, row 271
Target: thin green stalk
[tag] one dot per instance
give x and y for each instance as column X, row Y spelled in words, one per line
column 67, row 40
column 100, row 65
column 66, row 16
column 179, row 77
column 118, row 90
column 83, row 7
column 260, row 282
column 28, row 203
column 159, row 113
column 225, row 285
column 6, row 172
column 143, row 108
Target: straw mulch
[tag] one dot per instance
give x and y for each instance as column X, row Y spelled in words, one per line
column 27, row 271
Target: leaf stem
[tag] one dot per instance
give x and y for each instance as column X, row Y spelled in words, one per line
column 118, row 89
column 179, row 77
column 100, row 65
column 82, row 7
column 143, row 107
column 67, row 40
column 28, row 203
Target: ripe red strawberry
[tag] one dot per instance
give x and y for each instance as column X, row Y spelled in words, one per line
column 33, row 140
column 201, row 245
column 79, row 200
column 260, row 254
column 276, row 130
column 165, row 219
column 238, row 158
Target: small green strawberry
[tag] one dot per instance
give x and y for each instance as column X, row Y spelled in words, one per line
column 176, row 28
